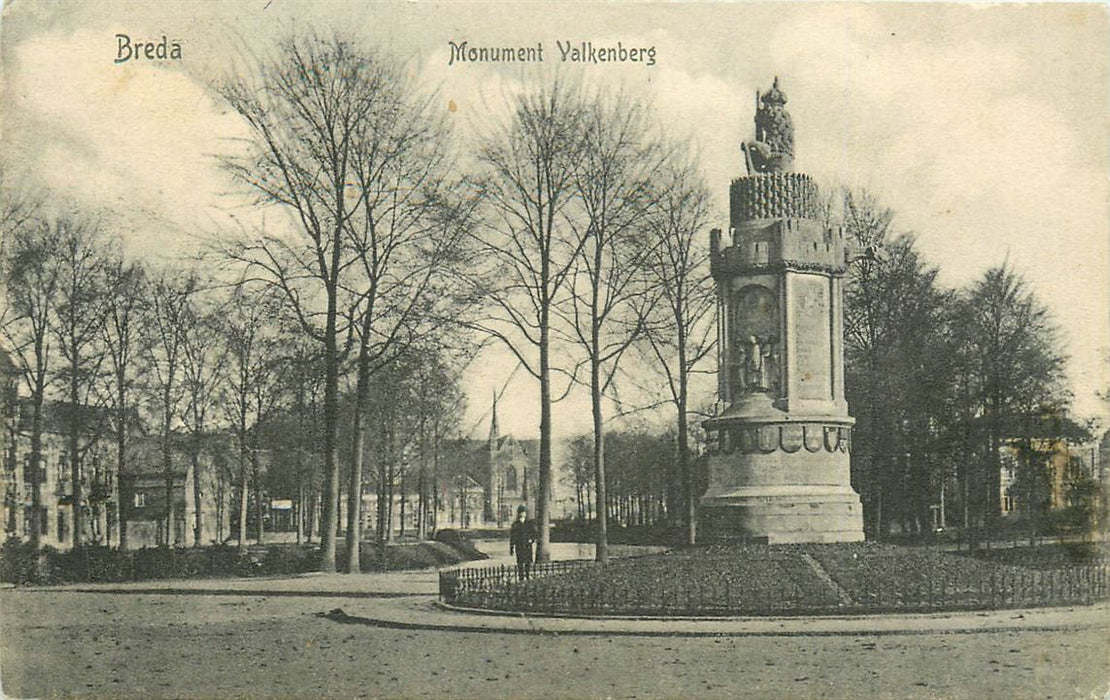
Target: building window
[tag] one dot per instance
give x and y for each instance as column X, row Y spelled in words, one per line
column 140, row 500
column 510, row 479
column 44, row 520
column 63, row 531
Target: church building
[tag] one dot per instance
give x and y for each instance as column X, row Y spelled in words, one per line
column 501, row 472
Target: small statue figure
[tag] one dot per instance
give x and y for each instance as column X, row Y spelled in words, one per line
column 755, row 369
column 753, row 366
column 772, row 151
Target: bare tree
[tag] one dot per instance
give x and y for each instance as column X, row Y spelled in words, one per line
column 31, row 281
column 439, row 402
column 528, row 168
column 127, row 287
column 580, row 471
column 167, row 325
column 301, row 380
column 306, row 111
column 267, row 394
column 406, row 231
column 204, row 359
column 680, row 329
column 79, row 313
column 251, row 340
column 18, row 207
column 612, row 185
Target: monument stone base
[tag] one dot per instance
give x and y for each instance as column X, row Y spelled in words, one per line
column 782, row 518
column 780, row 479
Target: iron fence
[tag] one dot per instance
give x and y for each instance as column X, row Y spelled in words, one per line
column 581, row 588
column 465, row 585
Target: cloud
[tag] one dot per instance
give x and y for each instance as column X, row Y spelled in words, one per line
column 140, row 138
column 985, row 129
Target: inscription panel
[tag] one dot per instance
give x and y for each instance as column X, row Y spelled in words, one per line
column 812, row 348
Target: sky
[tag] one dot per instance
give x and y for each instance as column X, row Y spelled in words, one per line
column 984, row 127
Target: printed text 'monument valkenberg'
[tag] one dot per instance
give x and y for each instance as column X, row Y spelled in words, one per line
column 568, row 52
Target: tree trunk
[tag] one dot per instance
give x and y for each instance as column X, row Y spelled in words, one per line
column 74, row 454
column 298, row 513
column 602, row 554
column 242, row 430
column 331, row 437
column 685, row 465
column 422, row 486
column 167, row 467
column 198, row 510
column 257, row 480
column 403, row 504
column 122, row 502
column 389, row 488
column 36, row 464
column 221, row 510
column 435, row 477
column 313, row 515
column 383, row 460
column 379, row 526
column 543, row 497
column 354, row 485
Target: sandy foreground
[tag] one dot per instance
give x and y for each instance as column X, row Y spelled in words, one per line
column 238, row 645
column 225, row 639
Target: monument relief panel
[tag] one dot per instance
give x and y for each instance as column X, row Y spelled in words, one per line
column 754, row 358
column 811, row 334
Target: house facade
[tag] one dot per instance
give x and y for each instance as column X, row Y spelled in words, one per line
column 146, row 485
column 57, row 512
column 1061, row 464
column 127, row 509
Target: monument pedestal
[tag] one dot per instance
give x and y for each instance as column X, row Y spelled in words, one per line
column 775, row 479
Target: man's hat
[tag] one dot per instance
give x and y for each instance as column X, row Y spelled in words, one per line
column 522, row 509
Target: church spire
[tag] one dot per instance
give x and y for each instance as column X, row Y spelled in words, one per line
column 494, row 431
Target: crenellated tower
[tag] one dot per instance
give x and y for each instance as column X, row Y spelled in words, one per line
column 780, row 443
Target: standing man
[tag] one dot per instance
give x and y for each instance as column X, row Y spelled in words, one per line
column 521, row 538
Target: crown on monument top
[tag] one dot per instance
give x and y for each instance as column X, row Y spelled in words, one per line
column 772, row 151
column 774, row 96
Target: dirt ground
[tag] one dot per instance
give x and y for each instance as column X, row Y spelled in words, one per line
column 141, row 645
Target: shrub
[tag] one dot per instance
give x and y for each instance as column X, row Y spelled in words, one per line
column 21, row 564
column 289, row 559
column 449, row 536
column 586, row 531
column 461, row 544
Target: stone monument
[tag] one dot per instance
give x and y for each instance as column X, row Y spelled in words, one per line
column 780, row 442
